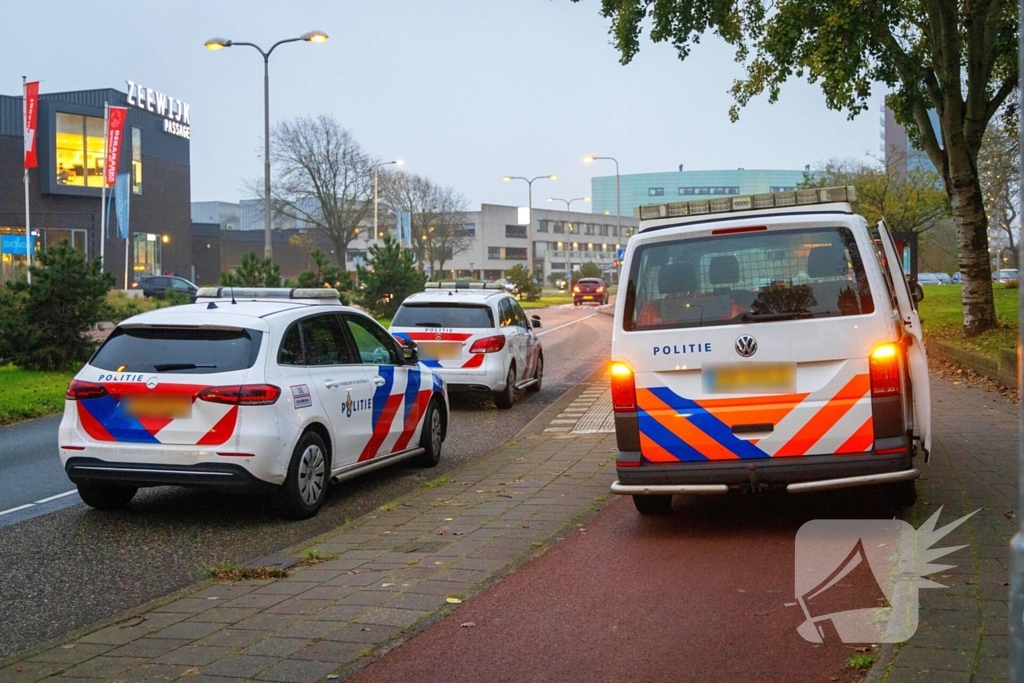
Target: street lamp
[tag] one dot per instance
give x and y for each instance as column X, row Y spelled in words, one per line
column 396, row 162
column 529, row 221
column 568, row 207
column 618, row 198
column 220, row 44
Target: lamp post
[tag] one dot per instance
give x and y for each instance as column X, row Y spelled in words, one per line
column 1016, row 615
column 618, row 197
column 529, row 222
column 221, row 43
column 396, row 162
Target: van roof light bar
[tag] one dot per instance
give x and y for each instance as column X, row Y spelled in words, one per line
column 463, row 285
column 768, row 200
column 326, row 294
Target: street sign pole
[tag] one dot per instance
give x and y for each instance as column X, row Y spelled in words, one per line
column 1016, row 615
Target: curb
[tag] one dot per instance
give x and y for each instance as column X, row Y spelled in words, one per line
column 880, row 669
column 1003, row 369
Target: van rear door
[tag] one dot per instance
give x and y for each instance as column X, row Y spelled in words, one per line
column 917, row 359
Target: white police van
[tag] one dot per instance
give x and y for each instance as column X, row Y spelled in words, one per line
column 765, row 341
column 475, row 336
column 273, row 390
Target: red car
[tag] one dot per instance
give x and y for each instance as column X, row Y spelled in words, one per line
column 589, row 289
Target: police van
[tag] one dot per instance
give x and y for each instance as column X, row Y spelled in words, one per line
column 278, row 391
column 763, row 341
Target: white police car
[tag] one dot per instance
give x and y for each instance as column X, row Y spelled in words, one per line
column 476, row 337
column 764, row 341
column 271, row 390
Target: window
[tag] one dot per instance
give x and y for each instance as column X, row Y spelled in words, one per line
column 325, row 341
column 701, row 191
column 290, row 352
column 443, row 315
column 515, row 253
column 148, row 254
column 558, row 227
column 588, row 229
column 748, row 278
column 542, row 226
column 136, row 160
column 376, row 347
column 520, row 316
column 494, row 253
column 192, row 351
column 79, row 147
column 465, row 230
column 517, row 231
column 782, row 188
column 506, row 313
column 655, row 191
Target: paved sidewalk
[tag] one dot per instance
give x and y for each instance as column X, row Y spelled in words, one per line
column 962, row 637
column 406, row 563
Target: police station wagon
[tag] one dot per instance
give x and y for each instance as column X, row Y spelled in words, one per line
column 272, row 390
column 765, row 341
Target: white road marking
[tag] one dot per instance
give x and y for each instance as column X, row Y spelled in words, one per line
column 20, row 507
column 59, row 495
column 541, row 334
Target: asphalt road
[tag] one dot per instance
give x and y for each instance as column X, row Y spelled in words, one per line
column 698, row 595
column 71, row 567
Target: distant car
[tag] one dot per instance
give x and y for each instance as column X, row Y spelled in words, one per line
column 956, row 277
column 509, row 287
column 944, row 279
column 158, row 286
column 589, row 289
column 928, row 279
column 1007, row 275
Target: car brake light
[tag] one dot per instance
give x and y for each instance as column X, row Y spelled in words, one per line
column 241, row 395
column 623, row 388
column 885, row 370
column 82, row 391
column 599, row 290
column 576, row 289
column 488, row 344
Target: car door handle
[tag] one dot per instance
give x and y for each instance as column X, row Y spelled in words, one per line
column 331, row 383
column 379, row 381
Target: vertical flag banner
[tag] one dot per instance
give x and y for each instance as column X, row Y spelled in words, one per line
column 121, row 195
column 404, row 221
column 115, row 133
column 31, row 119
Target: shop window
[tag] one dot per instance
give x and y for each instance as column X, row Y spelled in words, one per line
column 148, row 256
column 79, row 146
column 136, row 160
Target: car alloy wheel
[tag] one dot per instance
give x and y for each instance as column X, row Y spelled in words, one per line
column 312, row 472
column 435, row 431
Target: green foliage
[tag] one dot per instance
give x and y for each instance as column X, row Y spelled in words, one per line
column 861, row 661
column 253, row 272
column 325, row 275
column 44, row 326
column 526, row 288
column 390, row 275
column 31, row 393
column 588, row 269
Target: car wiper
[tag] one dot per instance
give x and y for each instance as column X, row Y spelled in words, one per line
column 430, row 324
column 791, row 315
column 170, row 367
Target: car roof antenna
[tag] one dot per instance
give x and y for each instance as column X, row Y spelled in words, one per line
column 233, row 295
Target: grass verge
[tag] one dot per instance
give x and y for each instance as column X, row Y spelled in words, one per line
column 548, row 300
column 227, row 571
column 31, row 393
column 942, row 318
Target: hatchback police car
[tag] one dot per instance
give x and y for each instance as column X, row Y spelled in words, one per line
column 273, row 390
column 765, row 340
column 476, row 337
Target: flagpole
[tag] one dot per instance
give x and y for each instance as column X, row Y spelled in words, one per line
column 28, row 226
column 103, row 188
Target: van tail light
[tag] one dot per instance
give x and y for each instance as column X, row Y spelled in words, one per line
column 623, row 388
column 241, row 395
column 83, row 391
column 488, row 344
column 885, row 370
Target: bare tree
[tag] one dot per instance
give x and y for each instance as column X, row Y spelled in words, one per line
column 437, row 217
column 321, row 177
column 999, row 173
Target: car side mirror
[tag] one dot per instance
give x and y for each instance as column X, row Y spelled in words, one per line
column 410, row 354
column 535, row 321
column 917, row 292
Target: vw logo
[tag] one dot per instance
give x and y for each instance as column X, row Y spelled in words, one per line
column 746, row 346
column 152, row 382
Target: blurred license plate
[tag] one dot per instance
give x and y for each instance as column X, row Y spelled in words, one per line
column 167, row 407
column 749, row 378
column 440, row 351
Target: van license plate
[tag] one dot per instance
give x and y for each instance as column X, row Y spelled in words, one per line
column 749, row 378
column 164, row 407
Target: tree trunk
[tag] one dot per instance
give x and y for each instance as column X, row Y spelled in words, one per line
column 972, row 246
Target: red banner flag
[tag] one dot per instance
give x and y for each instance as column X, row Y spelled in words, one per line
column 31, row 117
column 115, row 133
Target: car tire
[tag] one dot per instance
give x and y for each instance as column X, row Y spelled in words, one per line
column 432, row 437
column 305, row 488
column 505, row 398
column 538, row 374
column 106, row 496
column 903, row 493
column 653, row 505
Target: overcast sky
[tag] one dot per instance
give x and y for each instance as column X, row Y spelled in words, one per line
column 465, row 91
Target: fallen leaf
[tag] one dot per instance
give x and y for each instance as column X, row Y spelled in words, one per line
column 774, row 590
column 331, row 677
column 449, row 519
column 458, row 533
column 468, row 624
column 213, row 598
column 453, row 601
column 193, row 671
column 582, row 528
column 946, row 576
column 365, row 629
column 442, row 532
column 480, row 491
column 386, row 585
column 741, row 590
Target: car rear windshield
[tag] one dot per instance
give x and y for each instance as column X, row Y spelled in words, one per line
column 747, row 277
column 178, row 350
column 442, row 315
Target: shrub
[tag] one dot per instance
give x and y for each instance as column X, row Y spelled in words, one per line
column 253, row 272
column 1013, row 284
column 588, row 269
column 526, row 288
column 325, row 275
column 389, row 277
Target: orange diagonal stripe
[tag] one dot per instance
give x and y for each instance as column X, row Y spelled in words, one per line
column 861, row 441
column 827, row 416
column 653, row 451
column 683, row 428
column 752, row 409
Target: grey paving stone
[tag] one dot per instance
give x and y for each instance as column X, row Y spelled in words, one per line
column 901, row 674
column 148, row 647
column 188, row 630
column 72, row 653
column 104, row 667
column 233, row 638
column 956, row 639
column 226, row 591
column 993, row 668
column 224, row 615
column 342, row 613
column 257, row 600
column 194, row 655
column 240, row 666
column 937, row 659
column 416, row 601
column 338, row 652
column 286, row 587
column 365, row 634
column 308, row 629
column 28, row 672
column 276, row 646
column 368, row 598
column 388, row 616
column 151, row 672
column 442, row 588
column 295, row 605
column 297, row 671
column 268, row 622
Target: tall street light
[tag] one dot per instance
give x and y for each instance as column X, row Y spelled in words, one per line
column 568, row 205
column 396, row 162
column 529, row 222
column 618, row 199
column 221, row 43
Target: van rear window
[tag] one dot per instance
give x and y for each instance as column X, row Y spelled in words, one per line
column 443, row 315
column 182, row 350
column 748, row 277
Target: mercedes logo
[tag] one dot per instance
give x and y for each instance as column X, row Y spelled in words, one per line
column 437, row 337
column 152, row 382
column 746, row 346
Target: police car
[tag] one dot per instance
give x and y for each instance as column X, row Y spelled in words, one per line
column 766, row 340
column 476, row 337
column 273, row 390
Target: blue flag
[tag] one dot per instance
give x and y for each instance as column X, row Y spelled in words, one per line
column 122, row 191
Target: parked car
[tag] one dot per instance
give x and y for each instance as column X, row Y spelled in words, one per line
column 589, row 289
column 944, row 279
column 1006, row 275
column 158, row 285
column 928, row 279
column 956, row 277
